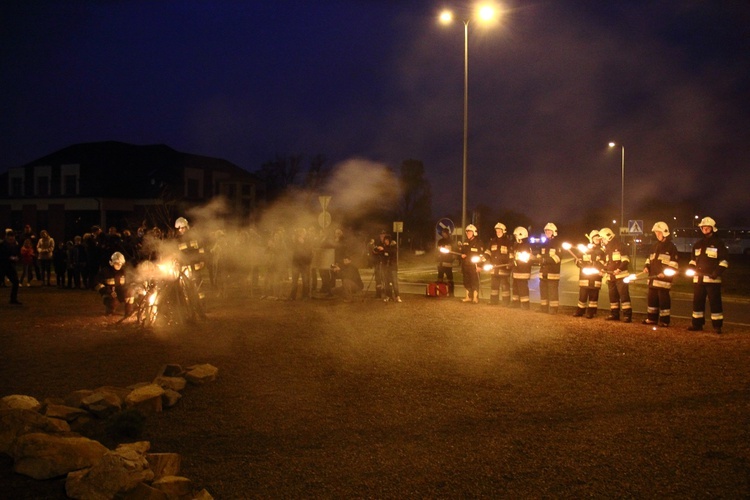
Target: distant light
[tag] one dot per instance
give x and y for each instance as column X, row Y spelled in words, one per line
column 612, row 144
column 486, row 13
column 446, row 17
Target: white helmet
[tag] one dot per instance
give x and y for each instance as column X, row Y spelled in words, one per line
column 708, row 221
column 593, row 234
column 472, row 227
column 607, row 234
column 500, row 225
column 552, row 228
column 181, row 222
column 661, row 226
column 117, row 258
column 520, row 233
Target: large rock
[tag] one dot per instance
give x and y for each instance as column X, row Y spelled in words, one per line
column 102, row 404
column 146, row 398
column 44, row 456
column 164, row 464
column 21, row 402
column 118, row 471
column 174, row 383
column 174, row 486
column 76, row 417
column 200, row 374
column 17, row 422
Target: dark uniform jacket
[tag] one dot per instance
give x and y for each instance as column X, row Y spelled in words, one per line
column 663, row 256
column 709, row 259
column 498, row 253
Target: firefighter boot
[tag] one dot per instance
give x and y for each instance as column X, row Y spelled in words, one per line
column 476, row 297
column 614, row 315
column 579, row 312
column 627, row 315
column 467, row 298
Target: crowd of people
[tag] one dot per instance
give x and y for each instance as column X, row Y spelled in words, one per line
column 324, row 263
column 603, row 259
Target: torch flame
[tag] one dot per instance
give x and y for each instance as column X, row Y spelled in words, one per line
column 629, row 278
column 475, row 259
column 669, row 272
column 567, row 246
column 488, row 267
column 588, row 271
column 523, row 256
column 690, row 272
column 583, row 248
column 444, row 250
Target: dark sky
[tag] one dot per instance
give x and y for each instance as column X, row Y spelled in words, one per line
column 549, row 87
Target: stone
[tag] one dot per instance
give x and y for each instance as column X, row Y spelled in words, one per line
column 164, row 464
column 102, row 404
column 74, row 398
column 21, row 402
column 146, row 398
column 203, row 495
column 171, row 370
column 170, row 398
column 174, row 486
column 174, row 383
column 74, row 416
column 200, row 374
column 44, row 456
column 119, row 471
column 17, row 422
column 143, row 492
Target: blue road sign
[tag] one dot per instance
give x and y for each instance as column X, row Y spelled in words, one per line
column 445, row 223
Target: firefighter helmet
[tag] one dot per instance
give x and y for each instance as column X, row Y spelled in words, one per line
column 500, row 225
column 707, row 221
column 607, row 234
column 472, row 227
column 593, row 234
column 520, row 233
column 181, row 222
column 552, row 228
column 662, row 227
column 117, row 258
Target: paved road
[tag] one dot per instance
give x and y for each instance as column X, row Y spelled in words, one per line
column 736, row 310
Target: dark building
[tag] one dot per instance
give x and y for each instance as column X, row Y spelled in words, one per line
column 117, row 184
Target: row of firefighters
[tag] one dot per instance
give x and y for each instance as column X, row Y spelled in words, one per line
column 604, row 259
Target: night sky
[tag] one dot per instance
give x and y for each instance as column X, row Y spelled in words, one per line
column 382, row 80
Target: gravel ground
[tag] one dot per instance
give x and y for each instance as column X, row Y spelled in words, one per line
column 428, row 398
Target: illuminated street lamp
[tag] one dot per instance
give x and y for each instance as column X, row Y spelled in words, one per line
column 622, row 197
column 484, row 13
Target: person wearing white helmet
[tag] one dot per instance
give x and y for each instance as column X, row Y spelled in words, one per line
column 591, row 265
column 549, row 261
column 521, row 261
column 471, row 255
column 661, row 266
column 498, row 254
column 708, row 262
column 111, row 283
column 617, row 264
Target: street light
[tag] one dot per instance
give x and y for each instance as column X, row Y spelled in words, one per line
column 622, row 189
column 484, row 13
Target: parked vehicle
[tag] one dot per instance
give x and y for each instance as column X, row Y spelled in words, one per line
column 736, row 239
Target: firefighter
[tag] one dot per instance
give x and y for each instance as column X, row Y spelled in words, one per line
column 374, row 249
column 498, row 254
column 388, row 256
column 661, row 266
column 191, row 259
column 707, row 263
column 522, row 259
column 112, row 286
column 471, row 256
column 591, row 265
column 445, row 260
column 548, row 258
column 617, row 262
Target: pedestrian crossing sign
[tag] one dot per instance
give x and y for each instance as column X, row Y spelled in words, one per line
column 635, row 227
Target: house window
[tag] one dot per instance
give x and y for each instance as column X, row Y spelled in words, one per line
column 69, row 175
column 193, row 186
column 70, row 184
column 16, row 186
column 42, row 185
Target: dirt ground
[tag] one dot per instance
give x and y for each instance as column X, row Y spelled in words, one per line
column 424, row 399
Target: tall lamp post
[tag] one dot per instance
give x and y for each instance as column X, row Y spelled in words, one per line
column 484, row 13
column 622, row 186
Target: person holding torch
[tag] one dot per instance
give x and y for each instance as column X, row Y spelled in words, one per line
column 617, row 263
column 549, row 271
column 707, row 264
column 590, row 264
column 498, row 255
column 471, row 257
column 661, row 266
column 522, row 255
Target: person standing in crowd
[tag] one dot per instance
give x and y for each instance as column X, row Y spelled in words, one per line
column 708, row 262
column 661, row 266
column 374, row 257
column 445, row 260
column 45, row 247
column 591, row 265
column 498, row 253
column 10, row 253
column 521, row 273
column 28, row 234
column 91, row 243
column 471, row 255
column 112, row 286
column 301, row 259
column 60, row 260
column 617, row 262
column 386, row 266
column 74, row 271
column 549, row 271
column 351, row 281
column 28, row 256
